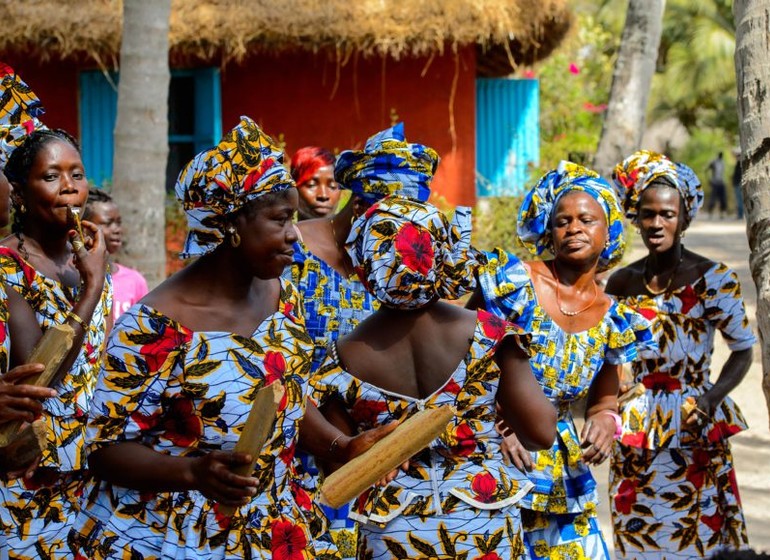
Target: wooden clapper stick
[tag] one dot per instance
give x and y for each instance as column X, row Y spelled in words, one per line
column 362, row 472
column 50, row 351
column 256, row 430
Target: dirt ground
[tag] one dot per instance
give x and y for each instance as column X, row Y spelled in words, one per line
column 725, row 241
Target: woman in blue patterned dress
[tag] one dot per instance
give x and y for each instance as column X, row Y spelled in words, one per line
column 672, row 483
column 60, row 286
column 579, row 338
column 182, row 369
column 333, row 298
column 457, row 499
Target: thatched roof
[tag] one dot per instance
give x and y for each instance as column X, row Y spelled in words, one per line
column 230, row 29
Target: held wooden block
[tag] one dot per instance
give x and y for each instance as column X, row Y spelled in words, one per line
column 27, row 446
column 50, row 351
column 362, row 472
column 256, row 430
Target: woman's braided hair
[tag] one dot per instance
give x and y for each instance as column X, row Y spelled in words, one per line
column 19, row 165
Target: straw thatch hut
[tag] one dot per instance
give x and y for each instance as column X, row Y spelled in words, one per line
column 324, row 72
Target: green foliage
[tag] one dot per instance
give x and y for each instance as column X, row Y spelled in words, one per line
column 494, row 224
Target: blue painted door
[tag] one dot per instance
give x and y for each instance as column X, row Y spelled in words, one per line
column 507, row 135
column 195, row 119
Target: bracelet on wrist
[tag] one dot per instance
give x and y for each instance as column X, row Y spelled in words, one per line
column 334, row 444
column 618, row 422
column 78, row 319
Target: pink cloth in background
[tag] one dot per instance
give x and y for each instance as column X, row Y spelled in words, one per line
column 128, row 285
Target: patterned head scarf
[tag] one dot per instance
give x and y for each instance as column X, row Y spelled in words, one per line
column 534, row 224
column 388, row 164
column 407, row 253
column 639, row 170
column 245, row 165
column 19, row 112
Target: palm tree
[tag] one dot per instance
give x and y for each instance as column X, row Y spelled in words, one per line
column 634, row 69
column 141, row 134
column 752, row 71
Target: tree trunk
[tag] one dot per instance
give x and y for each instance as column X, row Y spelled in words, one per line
column 752, row 70
column 141, row 135
column 634, row 68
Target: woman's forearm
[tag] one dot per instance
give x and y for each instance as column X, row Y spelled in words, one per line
column 136, row 466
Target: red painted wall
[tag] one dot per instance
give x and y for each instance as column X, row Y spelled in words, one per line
column 309, row 100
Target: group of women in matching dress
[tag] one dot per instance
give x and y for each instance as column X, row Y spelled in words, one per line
column 350, row 313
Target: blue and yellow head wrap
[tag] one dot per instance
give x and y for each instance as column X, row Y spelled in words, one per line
column 534, row 223
column 407, row 253
column 637, row 172
column 245, row 165
column 19, row 112
column 387, row 165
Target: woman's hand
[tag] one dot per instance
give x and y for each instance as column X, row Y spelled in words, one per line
column 512, row 449
column 597, row 437
column 19, row 401
column 354, row 446
column 90, row 256
column 212, row 475
column 703, row 413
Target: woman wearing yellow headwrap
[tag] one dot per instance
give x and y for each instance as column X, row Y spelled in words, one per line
column 182, row 368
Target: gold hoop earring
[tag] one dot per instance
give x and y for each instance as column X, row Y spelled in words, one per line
column 235, row 238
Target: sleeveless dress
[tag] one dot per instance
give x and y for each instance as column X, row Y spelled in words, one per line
column 458, row 499
column 36, row 513
column 333, row 305
column 559, row 515
column 184, row 393
column 673, row 489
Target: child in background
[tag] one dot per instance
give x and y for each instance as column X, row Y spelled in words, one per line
column 128, row 285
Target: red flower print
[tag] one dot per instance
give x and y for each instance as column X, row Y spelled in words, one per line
column 145, row 421
column 452, row 387
column 722, row 430
column 301, row 497
column 288, row 541
column 6, row 70
column 698, row 469
column 182, row 425
column 638, row 439
column 492, row 325
column 688, row 299
column 734, row 486
column 629, row 179
column 275, row 366
column 256, row 174
column 287, row 453
column 714, row 522
column 288, row 310
column 222, row 520
column 488, row 556
column 484, row 486
column 2, row 332
column 365, row 412
column 156, row 352
column 466, row 441
column 415, row 248
column 661, row 381
column 648, row 313
column 626, row 496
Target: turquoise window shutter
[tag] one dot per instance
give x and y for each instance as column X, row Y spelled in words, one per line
column 195, row 119
column 507, row 135
column 98, row 110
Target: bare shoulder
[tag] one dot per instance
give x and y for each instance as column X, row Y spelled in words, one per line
column 624, row 278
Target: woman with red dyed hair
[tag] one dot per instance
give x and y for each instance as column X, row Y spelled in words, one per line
column 312, row 169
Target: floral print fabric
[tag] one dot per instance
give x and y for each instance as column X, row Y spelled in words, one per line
column 5, row 341
column 184, row 393
column 534, row 221
column 408, row 254
column 565, row 365
column 387, row 165
column 458, row 499
column 36, row 513
column 639, row 170
column 672, row 486
column 19, row 112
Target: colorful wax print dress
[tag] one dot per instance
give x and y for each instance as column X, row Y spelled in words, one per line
column 458, row 499
column 333, row 305
column 5, row 341
column 36, row 513
column 559, row 515
column 184, row 393
column 673, row 489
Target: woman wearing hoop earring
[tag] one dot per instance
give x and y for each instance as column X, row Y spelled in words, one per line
column 580, row 337
column 672, row 484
